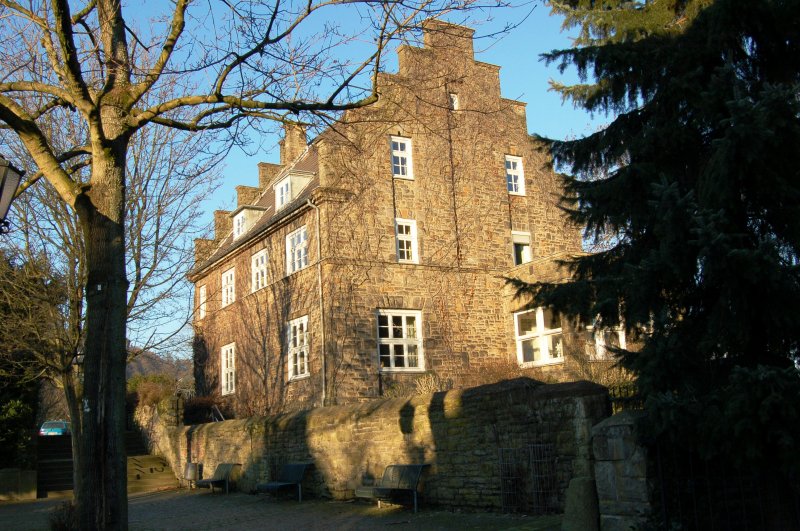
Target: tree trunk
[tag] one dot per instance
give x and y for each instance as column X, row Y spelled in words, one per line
column 101, row 485
column 70, row 382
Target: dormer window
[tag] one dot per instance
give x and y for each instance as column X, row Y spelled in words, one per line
column 283, row 192
column 239, row 224
column 244, row 218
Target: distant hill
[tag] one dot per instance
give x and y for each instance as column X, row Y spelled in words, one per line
column 145, row 362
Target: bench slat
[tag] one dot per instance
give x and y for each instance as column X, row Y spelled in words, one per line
column 290, row 474
column 396, row 479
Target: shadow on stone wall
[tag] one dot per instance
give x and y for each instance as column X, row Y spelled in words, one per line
column 458, row 432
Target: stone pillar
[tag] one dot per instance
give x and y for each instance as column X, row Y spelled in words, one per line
column 438, row 34
column 203, row 248
column 294, row 142
column 621, row 473
column 222, row 224
column 266, row 173
column 247, row 195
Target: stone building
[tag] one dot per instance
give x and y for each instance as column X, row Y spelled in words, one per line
column 372, row 259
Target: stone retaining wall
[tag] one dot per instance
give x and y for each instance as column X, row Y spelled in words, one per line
column 459, row 432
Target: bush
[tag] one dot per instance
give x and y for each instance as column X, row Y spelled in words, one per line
column 149, row 390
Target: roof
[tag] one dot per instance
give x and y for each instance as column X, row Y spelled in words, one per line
column 308, row 163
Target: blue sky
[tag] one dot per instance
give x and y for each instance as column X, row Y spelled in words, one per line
column 522, row 76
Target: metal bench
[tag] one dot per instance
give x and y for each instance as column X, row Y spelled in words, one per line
column 222, row 477
column 290, row 474
column 397, row 480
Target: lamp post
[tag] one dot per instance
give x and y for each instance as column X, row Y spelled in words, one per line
column 9, row 181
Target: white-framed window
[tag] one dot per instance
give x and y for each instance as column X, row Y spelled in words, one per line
column 521, row 242
column 228, row 286
column 539, row 337
column 515, row 176
column 406, row 237
column 202, row 295
column 402, row 166
column 259, row 270
column 227, row 365
column 239, row 224
column 453, row 100
column 400, row 340
column 297, row 337
column 296, row 250
column 283, row 192
column 602, row 338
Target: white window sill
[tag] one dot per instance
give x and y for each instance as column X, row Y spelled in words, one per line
column 521, row 194
column 386, row 370
column 299, row 377
column 295, row 271
column 529, row 364
column 229, row 393
column 404, row 177
column 409, row 262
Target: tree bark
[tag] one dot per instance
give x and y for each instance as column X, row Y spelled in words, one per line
column 101, row 487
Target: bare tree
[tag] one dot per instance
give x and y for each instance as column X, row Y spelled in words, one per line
column 169, row 175
column 231, row 64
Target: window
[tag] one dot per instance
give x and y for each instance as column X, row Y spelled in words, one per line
column 201, row 302
column 400, row 340
column 401, row 158
column 296, row 250
column 239, row 225
column 602, row 338
column 522, row 247
column 538, row 335
column 228, row 367
column 453, row 100
column 228, row 287
column 406, row 235
column 515, row 177
column 298, row 347
column 283, row 193
column 259, row 270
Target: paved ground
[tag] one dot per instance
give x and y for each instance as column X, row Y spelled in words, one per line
column 199, row 509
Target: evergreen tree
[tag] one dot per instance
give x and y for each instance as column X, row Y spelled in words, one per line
column 696, row 185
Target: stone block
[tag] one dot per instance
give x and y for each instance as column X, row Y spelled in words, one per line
column 606, row 479
column 581, row 511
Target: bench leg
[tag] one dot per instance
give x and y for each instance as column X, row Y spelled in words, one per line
column 415, row 502
column 379, row 504
column 299, row 492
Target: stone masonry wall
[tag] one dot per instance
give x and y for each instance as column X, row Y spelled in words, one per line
column 459, row 433
column 465, row 219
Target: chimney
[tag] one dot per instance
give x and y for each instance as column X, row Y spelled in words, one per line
column 246, row 195
column 203, row 247
column 294, row 142
column 222, row 224
column 266, row 172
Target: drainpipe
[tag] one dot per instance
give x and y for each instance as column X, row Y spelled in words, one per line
column 321, row 306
